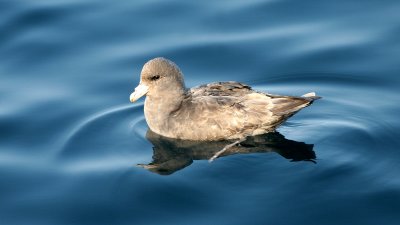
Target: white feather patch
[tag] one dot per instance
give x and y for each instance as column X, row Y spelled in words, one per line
column 311, row 94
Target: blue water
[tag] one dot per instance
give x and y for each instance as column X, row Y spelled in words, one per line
column 73, row 150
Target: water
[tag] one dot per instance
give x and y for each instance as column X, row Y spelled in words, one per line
column 73, row 150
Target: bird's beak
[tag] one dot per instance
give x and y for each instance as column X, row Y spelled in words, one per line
column 140, row 90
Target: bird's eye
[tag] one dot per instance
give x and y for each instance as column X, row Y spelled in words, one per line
column 154, row 77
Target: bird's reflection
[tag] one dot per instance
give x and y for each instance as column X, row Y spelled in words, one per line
column 171, row 155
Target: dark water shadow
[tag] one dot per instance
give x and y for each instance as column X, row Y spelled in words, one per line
column 171, row 155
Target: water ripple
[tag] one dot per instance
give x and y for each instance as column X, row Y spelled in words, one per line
column 92, row 133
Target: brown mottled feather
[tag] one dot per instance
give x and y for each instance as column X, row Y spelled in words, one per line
column 230, row 110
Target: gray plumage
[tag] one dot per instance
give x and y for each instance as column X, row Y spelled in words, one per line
column 215, row 111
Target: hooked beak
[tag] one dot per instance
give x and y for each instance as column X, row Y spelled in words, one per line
column 140, row 90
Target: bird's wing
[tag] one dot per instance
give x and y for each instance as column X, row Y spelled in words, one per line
column 231, row 93
column 226, row 109
column 231, row 110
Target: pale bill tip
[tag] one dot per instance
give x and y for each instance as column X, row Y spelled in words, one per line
column 140, row 90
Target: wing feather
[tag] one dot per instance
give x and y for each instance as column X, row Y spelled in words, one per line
column 232, row 110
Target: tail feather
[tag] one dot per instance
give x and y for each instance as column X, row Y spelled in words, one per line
column 311, row 95
column 288, row 105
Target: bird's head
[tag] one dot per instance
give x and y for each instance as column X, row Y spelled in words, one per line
column 159, row 76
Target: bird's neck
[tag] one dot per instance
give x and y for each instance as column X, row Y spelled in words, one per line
column 158, row 108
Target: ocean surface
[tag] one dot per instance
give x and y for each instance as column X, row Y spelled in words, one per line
column 74, row 150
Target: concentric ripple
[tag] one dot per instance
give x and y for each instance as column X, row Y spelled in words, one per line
column 90, row 141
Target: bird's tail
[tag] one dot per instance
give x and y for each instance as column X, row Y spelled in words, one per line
column 288, row 105
column 312, row 96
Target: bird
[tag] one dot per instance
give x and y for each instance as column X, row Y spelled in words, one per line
column 210, row 112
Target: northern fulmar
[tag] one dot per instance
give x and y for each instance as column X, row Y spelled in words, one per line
column 209, row 112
